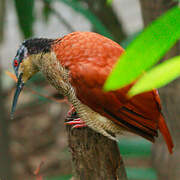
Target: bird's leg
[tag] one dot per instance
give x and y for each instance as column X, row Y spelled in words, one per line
column 71, row 111
column 73, row 119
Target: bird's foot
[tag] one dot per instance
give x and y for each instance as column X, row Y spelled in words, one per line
column 77, row 123
column 74, row 120
column 71, row 112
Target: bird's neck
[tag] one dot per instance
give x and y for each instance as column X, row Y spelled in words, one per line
column 57, row 75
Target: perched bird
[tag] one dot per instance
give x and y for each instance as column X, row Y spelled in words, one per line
column 77, row 65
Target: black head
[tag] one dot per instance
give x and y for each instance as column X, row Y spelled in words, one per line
column 22, row 65
column 29, row 47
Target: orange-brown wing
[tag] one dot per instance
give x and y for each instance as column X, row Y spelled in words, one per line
column 141, row 114
column 89, row 57
column 147, row 105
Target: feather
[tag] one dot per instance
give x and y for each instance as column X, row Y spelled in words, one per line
column 90, row 57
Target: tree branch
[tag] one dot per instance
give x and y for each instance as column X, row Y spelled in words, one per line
column 94, row 156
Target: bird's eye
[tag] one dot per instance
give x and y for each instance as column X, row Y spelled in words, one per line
column 15, row 63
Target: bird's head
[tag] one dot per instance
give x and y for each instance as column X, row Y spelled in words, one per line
column 24, row 62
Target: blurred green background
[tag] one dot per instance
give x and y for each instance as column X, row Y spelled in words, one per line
column 37, row 134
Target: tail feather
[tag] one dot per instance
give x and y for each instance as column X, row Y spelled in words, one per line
column 166, row 134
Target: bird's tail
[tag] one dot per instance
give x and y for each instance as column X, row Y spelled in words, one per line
column 166, row 134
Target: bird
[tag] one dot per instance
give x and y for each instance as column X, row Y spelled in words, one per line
column 77, row 65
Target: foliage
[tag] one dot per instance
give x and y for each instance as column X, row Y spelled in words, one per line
column 109, row 2
column 141, row 173
column 25, row 13
column 66, row 177
column 146, row 50
column 166, row 72
column 135, row 147
column 46, row 11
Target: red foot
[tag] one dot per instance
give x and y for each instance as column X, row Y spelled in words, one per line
column 77, row 123
column 71, row 111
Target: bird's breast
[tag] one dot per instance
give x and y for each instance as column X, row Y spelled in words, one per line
column 59, row 78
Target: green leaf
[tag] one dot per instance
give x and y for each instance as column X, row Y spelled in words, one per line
column 158, row 76
column 129, row 39
column 146, row 50
column 134, row 173
column 109, row 2
column 25, row 11
column 134, row 147
column 46, row 11
column 65, row 177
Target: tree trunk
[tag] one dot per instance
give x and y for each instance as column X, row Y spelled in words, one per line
column 168, row 166
column 94, row 156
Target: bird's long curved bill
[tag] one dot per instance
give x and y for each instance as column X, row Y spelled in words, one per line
column 19, row 87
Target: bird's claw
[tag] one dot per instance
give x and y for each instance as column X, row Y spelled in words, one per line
column 71, row 111
column 74, row 120
column 77, row 123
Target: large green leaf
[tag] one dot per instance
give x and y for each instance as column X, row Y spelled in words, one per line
column 158, row 76
column 146, row 49
column 25, row 13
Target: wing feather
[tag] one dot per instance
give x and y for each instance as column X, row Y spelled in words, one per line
column 90, row 57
